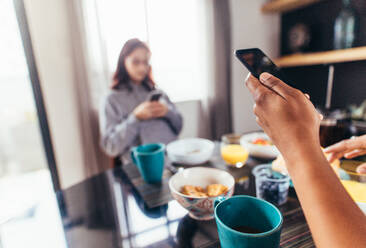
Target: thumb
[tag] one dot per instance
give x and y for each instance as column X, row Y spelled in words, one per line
column 275, row 84
column 361, row 168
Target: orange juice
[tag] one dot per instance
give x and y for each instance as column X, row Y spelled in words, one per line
column 234, row 154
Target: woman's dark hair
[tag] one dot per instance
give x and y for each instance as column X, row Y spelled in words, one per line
column 121, row 78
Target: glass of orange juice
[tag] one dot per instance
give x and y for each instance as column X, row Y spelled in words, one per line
column 232, row 152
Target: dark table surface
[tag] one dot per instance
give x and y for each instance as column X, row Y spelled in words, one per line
column 106, row 211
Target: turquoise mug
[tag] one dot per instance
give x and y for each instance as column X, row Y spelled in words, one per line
column 149, row 159
column 247, row 222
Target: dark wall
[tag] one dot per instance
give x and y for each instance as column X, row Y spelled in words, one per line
column 310, row 79
column 349, row 84
column 349, row 78
column 320, row 19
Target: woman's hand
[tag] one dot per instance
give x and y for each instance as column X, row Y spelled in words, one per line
column 285, row 114
column 349, row 148
column 150, row 110
column 291, row 121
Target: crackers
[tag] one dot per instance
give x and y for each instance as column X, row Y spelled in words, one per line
column 191, row 190
column 211, row 190
column 216, row 189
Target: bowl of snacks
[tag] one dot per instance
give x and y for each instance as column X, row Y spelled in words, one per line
column 190, row 151
column 197, row 188
column 259, row 145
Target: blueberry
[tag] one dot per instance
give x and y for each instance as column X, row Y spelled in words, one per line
column 274, row 187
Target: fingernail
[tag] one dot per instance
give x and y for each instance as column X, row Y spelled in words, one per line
column 330, row 158
column 265, row 76
column 361, row 170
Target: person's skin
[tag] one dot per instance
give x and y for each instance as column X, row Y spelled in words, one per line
column 292, row 123
column 349, row 148
column 137, row 66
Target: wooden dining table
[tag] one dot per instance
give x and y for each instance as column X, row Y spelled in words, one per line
column 117, row 209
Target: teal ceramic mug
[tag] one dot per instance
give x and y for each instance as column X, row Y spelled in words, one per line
column 149, row 159
column 247, row 222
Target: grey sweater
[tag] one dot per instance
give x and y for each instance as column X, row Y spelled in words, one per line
column 121, row 130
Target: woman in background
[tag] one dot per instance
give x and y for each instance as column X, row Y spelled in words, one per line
column 128, row 117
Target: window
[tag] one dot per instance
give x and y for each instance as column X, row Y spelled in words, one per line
column 174, row 30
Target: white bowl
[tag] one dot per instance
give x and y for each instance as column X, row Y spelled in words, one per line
column 201, row 208
column 190, row 151
column 260, row 151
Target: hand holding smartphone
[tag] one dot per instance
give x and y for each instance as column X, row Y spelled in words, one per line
column 155, row 97
column 257, row 62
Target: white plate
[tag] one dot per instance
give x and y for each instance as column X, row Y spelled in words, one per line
column 190, row 151
column 260, row 151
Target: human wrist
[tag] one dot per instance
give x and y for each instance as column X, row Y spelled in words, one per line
column 169, row 113
column 138, row 115
column 132, row 118
column 306, row 154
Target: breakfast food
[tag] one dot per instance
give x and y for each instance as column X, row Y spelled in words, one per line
column 272, row 191
column 279, row 165
column 211, row 190
column 215, row 189
column 193, row 191
column 262, row 142
column 234, row 154
column 271, row 185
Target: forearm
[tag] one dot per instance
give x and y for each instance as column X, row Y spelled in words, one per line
column 175, row 119
column 173, row 116
column 333, row 217
column 119, row 137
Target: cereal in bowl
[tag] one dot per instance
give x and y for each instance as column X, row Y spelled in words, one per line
column 216, row 189
column 211, row 190
column 191, row 190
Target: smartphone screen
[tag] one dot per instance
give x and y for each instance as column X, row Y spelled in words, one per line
column 257, row 62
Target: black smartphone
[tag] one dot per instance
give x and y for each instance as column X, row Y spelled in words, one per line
column 155, row 97
column 257, row 62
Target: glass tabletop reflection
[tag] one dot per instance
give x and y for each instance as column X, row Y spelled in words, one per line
column 106, row 211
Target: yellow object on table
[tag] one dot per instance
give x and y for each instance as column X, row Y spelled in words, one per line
column 234, row 154
column 356, row 190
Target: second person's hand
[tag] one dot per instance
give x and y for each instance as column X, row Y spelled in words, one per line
column 349, row 148
column 150, row 110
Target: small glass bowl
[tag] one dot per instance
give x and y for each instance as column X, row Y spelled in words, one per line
column 271, row 185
